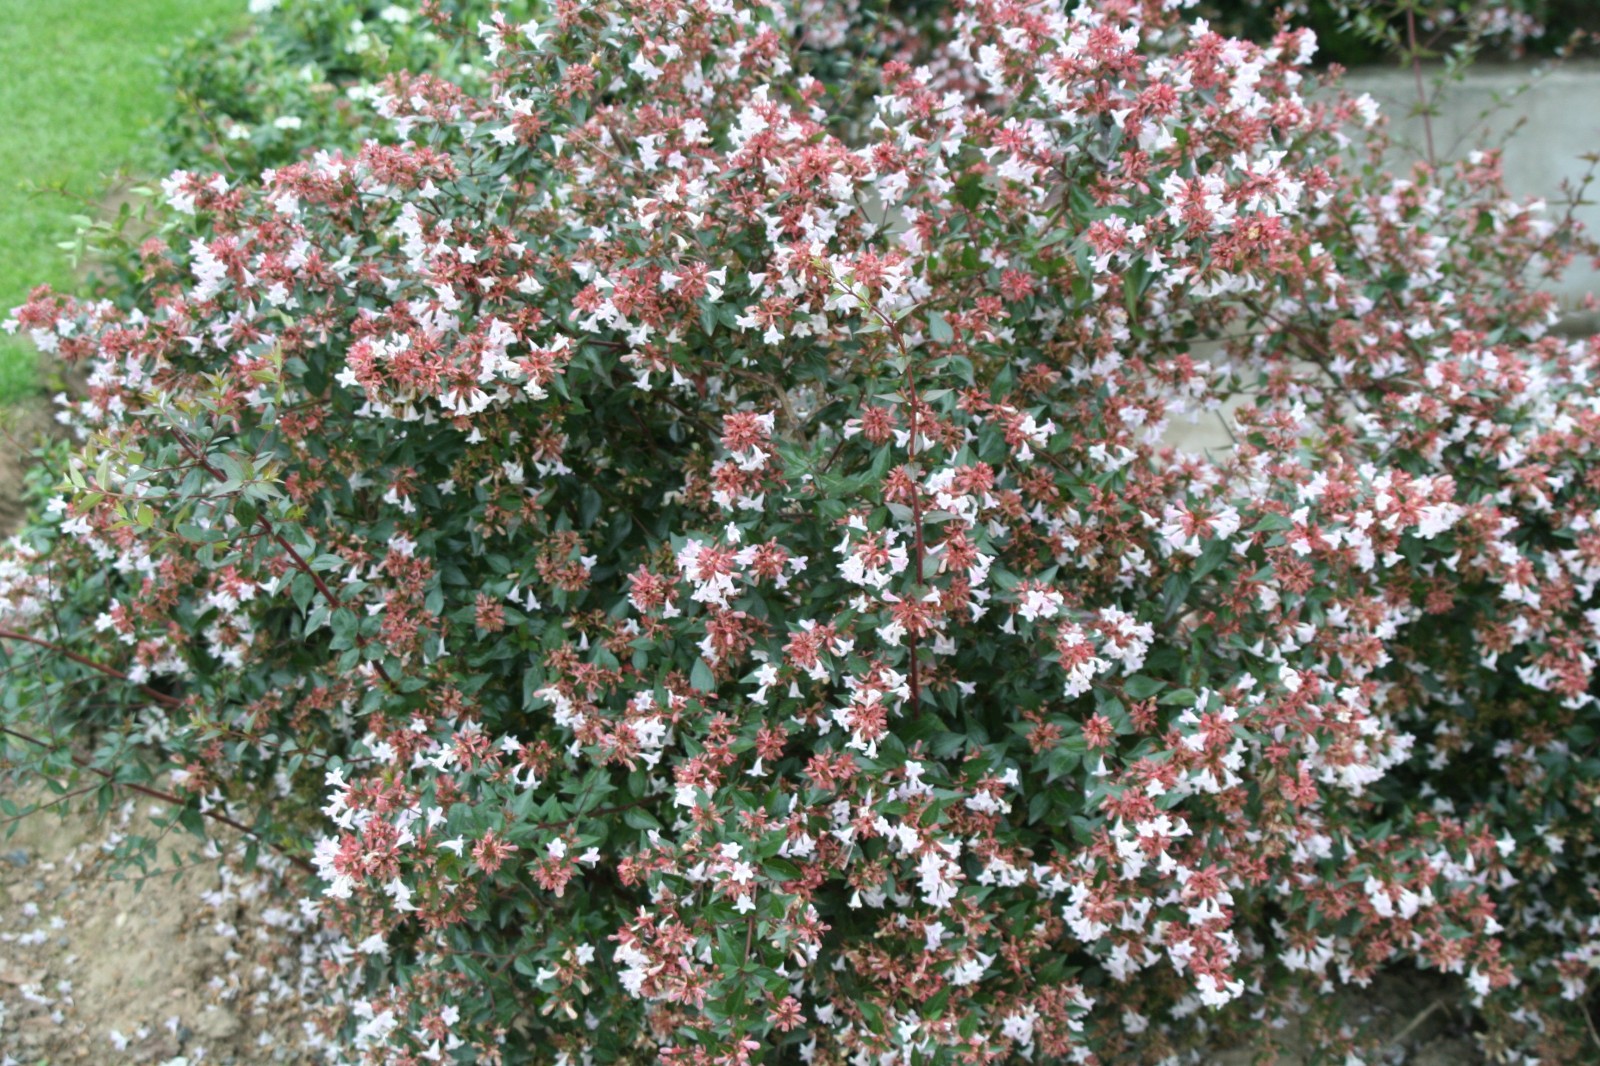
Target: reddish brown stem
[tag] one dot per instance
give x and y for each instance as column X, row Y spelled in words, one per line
column 916, row 537
column 334, row 602
column 914, row 402
column 156, row 694
column 916, row 498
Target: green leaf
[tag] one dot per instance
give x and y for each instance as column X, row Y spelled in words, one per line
column 192, row 820
column 701, row 677
column 1215, row 552
column 638, row 818
column 969, row 191
column 1140, row 687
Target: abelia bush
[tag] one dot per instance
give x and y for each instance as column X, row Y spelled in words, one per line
column 701, row 561
column 296, row 78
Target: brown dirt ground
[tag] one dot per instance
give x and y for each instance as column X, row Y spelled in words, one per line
column 194, row 960
column 20, row 427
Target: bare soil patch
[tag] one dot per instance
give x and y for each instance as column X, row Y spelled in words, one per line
column 21, row 427
column 194, row 960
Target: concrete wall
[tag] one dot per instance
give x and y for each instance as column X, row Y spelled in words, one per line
column 1546, row 120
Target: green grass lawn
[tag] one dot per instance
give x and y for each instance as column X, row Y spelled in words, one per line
column 79, row 87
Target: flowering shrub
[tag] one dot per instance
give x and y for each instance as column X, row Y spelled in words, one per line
column 697, row 558
column 297, row 79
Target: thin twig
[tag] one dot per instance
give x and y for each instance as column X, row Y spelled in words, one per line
column 166, row 797
column 1418, row 1020
column 42, row 807
column 334, row 602
column 156, row 694
column 1423, row 103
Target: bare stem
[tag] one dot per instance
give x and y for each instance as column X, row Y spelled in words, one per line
column 165, row 797
column 156, row 694
column 1416, row 71
column 334, row 602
